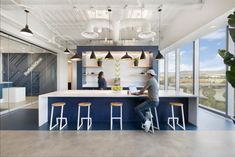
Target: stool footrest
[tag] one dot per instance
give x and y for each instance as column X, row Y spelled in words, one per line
column 57, row 123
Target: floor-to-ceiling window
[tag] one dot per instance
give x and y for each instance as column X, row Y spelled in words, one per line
column 161, row 74
column 212, row 70
column 26, row 72
column 171, row 70
column 186, row 68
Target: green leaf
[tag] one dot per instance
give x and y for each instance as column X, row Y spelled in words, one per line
column 229, row 58
column 231, row 22
column 231, row 78
column 222, row 53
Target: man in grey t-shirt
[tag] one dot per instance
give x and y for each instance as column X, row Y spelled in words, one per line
column 153, row 98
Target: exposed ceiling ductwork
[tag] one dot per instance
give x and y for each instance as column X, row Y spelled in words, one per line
column 116, row 26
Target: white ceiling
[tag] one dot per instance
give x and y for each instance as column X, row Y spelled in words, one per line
column 58, row 21
column 68, row 18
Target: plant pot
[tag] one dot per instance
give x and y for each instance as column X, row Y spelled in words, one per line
column 136, row 63
column 99, row 63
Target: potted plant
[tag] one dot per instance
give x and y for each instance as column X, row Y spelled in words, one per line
column 229, row 59
column 99, row 61
column 136, row 62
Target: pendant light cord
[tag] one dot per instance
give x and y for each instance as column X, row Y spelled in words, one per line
column 26, row 11
column 159, row 31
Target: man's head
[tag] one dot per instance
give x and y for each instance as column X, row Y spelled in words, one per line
column 150, row 73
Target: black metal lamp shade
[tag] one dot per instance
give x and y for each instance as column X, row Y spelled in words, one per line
column 26, row 31
column 109, row 56
column 159, row 56
column 76, row 57
column 66, row 51
column 143, row 56
column 92, row 55
column 126, row 57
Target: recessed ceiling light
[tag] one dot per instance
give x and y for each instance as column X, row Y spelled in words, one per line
column 213, row 26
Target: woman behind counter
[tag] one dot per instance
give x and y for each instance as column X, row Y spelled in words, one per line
column 102, row 84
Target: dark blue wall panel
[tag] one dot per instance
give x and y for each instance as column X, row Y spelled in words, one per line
column 43, row 77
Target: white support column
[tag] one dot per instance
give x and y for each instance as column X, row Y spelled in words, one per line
column 74, row 75
column 166, row 72
column 1, row 62
column 62, row 72
column 196, row 66
column 177, row 69
column 230, row 90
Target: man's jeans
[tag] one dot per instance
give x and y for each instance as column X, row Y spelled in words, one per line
column 144, row 107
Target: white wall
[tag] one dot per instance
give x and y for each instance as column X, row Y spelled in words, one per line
column 129, row 74
column 74, row 75
column 62, row 72
column 70, row 72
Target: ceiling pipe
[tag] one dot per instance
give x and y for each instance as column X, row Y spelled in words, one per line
column 92, row 24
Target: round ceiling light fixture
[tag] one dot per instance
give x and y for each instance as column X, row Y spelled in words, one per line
column 146, row 35
column 90, row 35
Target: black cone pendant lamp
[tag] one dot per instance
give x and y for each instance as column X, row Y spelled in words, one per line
column 143, row 56
column 92, row 56
column 159, row 55
column 76, row 57
column 66, row 51
column 126, row 57
column 109, row 56
column 26, row 31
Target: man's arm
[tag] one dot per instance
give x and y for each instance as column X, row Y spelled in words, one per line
column 143, row 89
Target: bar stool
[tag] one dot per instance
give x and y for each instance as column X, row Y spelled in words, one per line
column 157, row 122
column 58, row 104
column 173, row 118
column 115, row 104
column 88, row 118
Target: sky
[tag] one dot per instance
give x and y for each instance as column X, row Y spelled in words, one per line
column 209, row 58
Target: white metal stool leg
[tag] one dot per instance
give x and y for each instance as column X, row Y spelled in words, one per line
column 121, row 117
column 156, row 116
column 111, row 118
column 51, row 120
column 61, row 118
column 88, row 116
column 152, row 127
column 172, row 118
column 78, row 123
column 183, row 121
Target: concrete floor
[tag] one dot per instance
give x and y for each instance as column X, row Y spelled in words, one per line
column 117, row 144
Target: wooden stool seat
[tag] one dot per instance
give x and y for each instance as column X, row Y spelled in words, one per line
column 176, row 104
column 57, row 104
column 84, row 104
column 116, row 103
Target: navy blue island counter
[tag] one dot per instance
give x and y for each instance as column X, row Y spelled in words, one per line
column 100, row 105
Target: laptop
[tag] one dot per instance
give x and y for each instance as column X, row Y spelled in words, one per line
column 133, row 89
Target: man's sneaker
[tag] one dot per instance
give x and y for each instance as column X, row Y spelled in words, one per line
column 147, row 125
column 148, row 115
